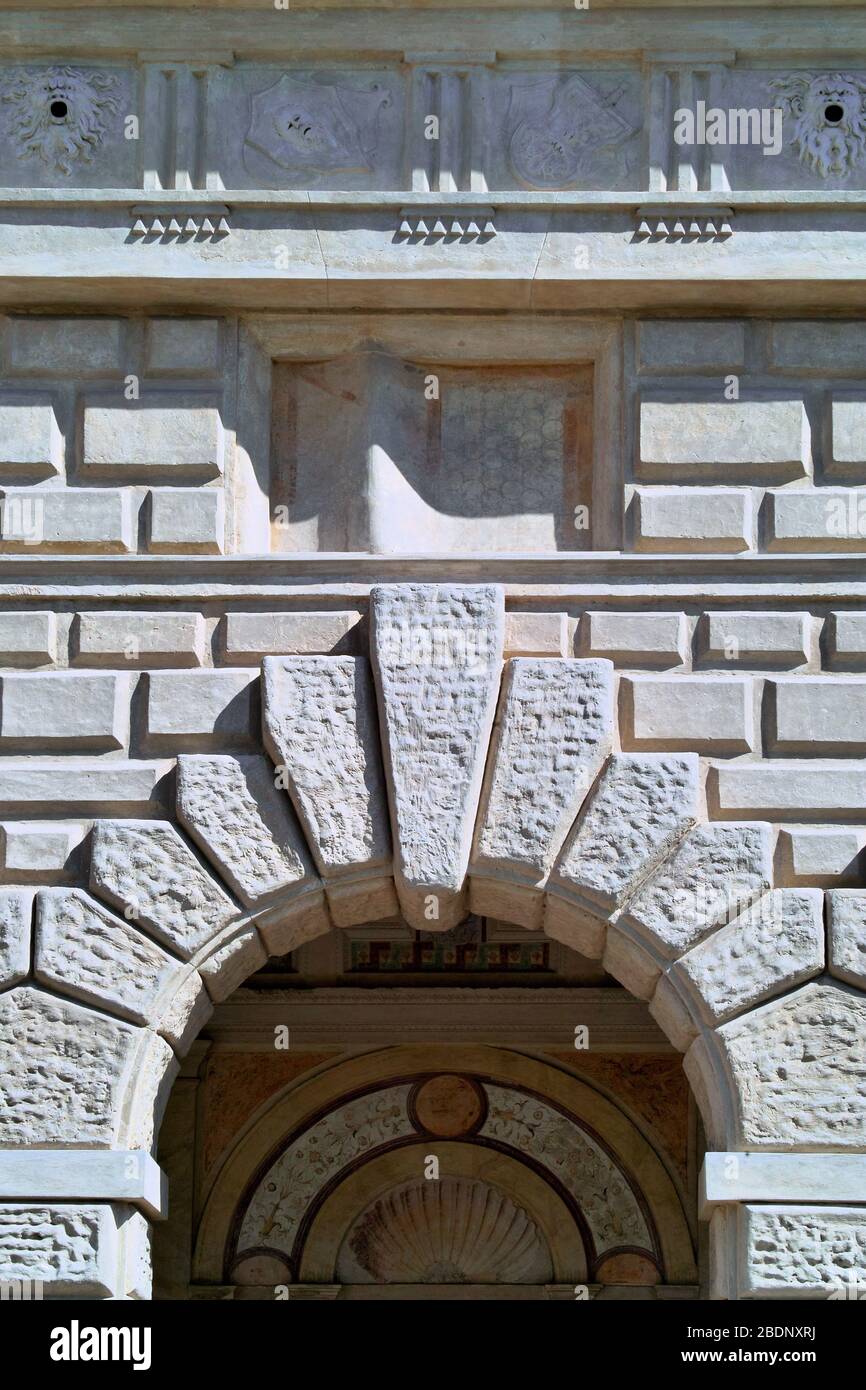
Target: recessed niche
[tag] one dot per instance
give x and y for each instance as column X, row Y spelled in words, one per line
column 377, row 454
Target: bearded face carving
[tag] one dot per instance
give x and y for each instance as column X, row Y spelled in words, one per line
column 59, row 115
column 829, row 120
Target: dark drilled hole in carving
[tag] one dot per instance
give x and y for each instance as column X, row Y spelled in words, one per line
column 833, row 113
column 59, row 110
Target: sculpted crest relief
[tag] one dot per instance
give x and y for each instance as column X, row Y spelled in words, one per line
column 59, row 116
column 829, row 118
column 554, row 125
column 312, row 127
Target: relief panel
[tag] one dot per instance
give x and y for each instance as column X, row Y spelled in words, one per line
column 62, row 125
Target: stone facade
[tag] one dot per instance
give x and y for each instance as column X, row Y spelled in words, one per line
column 433, row 484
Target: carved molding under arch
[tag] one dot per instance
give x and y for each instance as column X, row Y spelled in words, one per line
column 433, row 780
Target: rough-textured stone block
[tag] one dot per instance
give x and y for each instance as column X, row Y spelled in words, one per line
column 848, row 439
column 65, row 709
column 320, row 727
column 245, row 826
column 641, row 808
column 846, row 640
column 775, row 944
column 146, row 870
column 107, row 638
column 805, row 790
column 554, row 731
column 754, row 639
column 817, row 714
column 816, row 519
column 536, row 634
column 202, row 707
column 71, row 1247
column 826, row 856
column 187, row 519
column 636, row 639
column 702, row 714
column 84, row 951
column 65, row 1070
column 39, row 850
column 186, row 347
column 788, row 1252
column 80, row 786
column 690, row 345
column 31, row 444
column 798, row 1070
column 437, row 661
column 753, row 440
column 251, row 636
column 68, row 519
column 714, row 873
column 846, row 935
column 67, row 347
column 692, row 519
column 168, row 432
column 27, row 638
column 16, row 910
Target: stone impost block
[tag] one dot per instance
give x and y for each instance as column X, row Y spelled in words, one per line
column 183, row 347
column 816, row 519
column 702, row 714
column 826, row 856
column 755, row 440
column 848, row 439
column 692, row 519
column 797, row 1071
column 16, row 910
column 251, row 636
column 846, row 640
column 711, row 877
column 134, row 638
column 789, row 1177
column 554, row 731
column 787, row 790
column 775, row 944
column 86, row 952
column 754, row 639
column 31, row 445
column 846, row 935
column 688, row 345
column 636, row 639
column 146, row 870
column 27, row 638
column 437, row 661
column 190, row 519
column 76, row 347
column 245, row 826
column 201, row 708
column 65, row 710
column 65, row 1071
column 320, row 727
column 67, row 519
column 84, row 787
column 536, row 634
column 817, row 714
column 123, row 1175
column 641, row 808
column 174, row 433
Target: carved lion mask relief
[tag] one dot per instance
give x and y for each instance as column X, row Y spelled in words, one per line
column 829, row 119
column 59, row 115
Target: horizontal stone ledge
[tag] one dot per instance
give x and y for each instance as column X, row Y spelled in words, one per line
column 81, row 787
column 822, row 1178
column 75, row 1175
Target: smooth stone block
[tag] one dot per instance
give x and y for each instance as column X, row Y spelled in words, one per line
column 251, row 636
column 170, row 432
column 28, row 638
column 67, row 347
column 636, row 639
column 826, row 856
column 820, row 715
column 65, row 710
column 846, row 935
column 31, row 444
column 695, row 713
column 204, row 706
column 191, row 519
column 754, row 440
column 690, row 345
column 67, row 519
column 756, row 639
column 185, row 347
column 804, row 790
column 536, row 634
column 108, row 637
column 692, row 519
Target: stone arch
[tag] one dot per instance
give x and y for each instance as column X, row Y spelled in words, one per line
column 426, row 780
